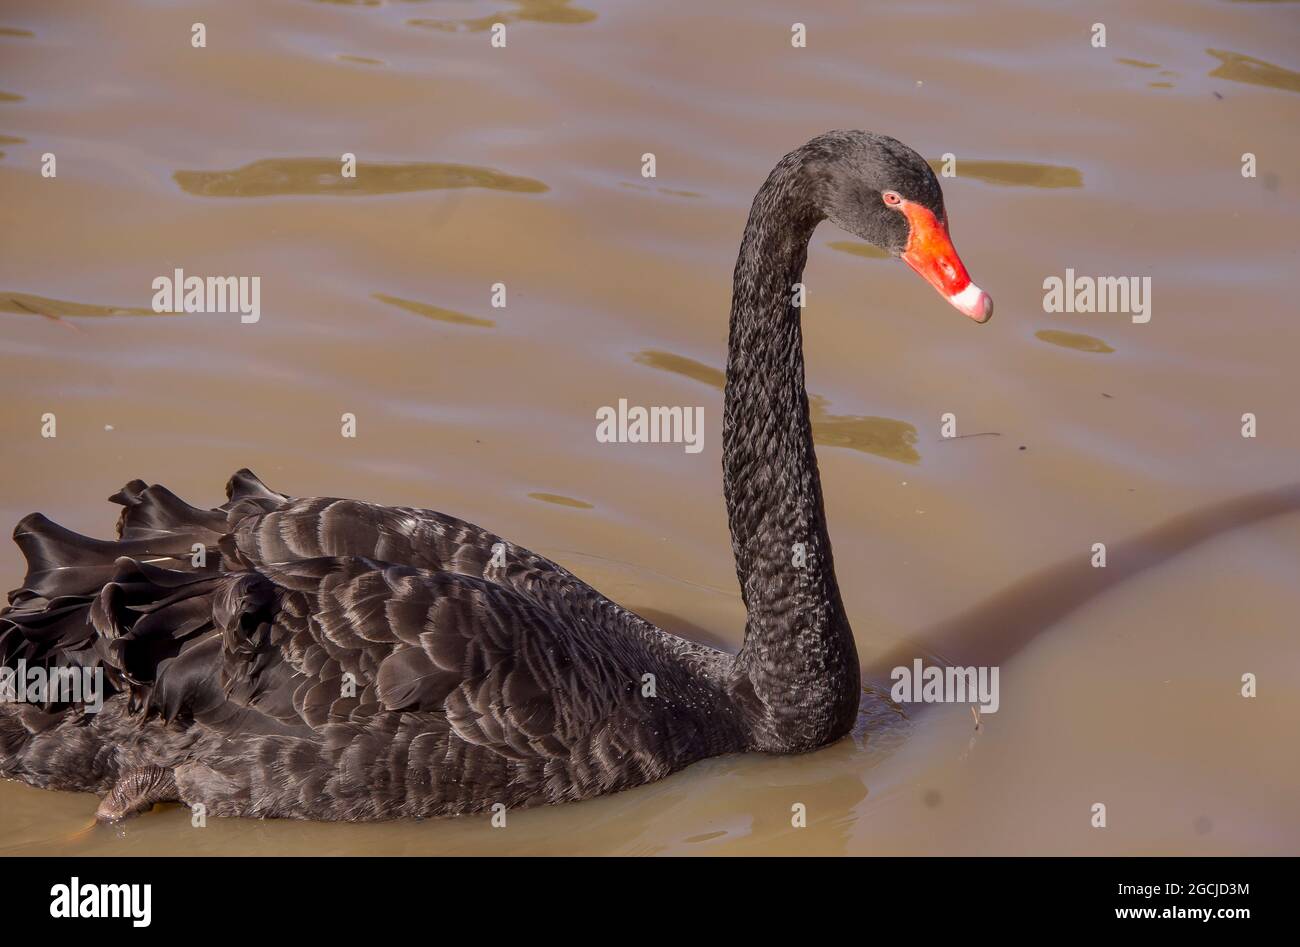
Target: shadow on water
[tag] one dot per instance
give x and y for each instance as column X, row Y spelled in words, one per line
column 988, row 633
column 29, row 305
column 681, row 365
column 1137, row 63
column 1014, row 173
column 883, row 437
column 997, row 628
column 1073, row 340
column 273, row 177
column 1236, row 67
column 560, row 499
column 11, row 140
column 673, row 192
column 536, row 11
column 436, row 313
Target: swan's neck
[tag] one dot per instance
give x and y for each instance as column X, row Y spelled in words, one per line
column 797, row 674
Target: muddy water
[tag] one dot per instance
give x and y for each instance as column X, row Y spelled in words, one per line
column 522, row 165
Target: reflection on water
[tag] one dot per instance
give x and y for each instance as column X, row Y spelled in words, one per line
column 434, row 312
column 10, row 97
column 662, row 190
column 1073, row 340
column 561, row 500
column 14, row 31
column 857, row 248
column 681, row 365
column 27, row 304
column 285, row 176
column 1015, row 173
column 884, row 437
column 1236, row 67
column 539, row 11
column 765, row 817
column 881, row 722
column 1140, row 64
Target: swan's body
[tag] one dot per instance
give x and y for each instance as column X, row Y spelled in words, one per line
column 332, row 659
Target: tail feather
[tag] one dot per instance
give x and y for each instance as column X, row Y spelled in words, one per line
column 140, row 612
column 154, row 512
column 61, row 562
column 245, row 485
column 248, row 496
column 33, row 633
column 132, row 607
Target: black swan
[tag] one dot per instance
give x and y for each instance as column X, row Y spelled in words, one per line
column 332, row 659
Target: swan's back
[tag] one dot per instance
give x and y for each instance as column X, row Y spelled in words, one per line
column 333, row 659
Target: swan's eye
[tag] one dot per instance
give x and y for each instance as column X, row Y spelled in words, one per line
column 891, row 198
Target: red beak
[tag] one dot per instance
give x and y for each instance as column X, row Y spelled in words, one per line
column 930, row 252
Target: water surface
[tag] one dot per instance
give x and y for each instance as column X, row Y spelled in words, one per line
column 522, row 166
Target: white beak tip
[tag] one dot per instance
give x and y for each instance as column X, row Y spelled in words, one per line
column 974, row 302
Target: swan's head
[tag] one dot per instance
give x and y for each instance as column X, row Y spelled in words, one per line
column 879, row 189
